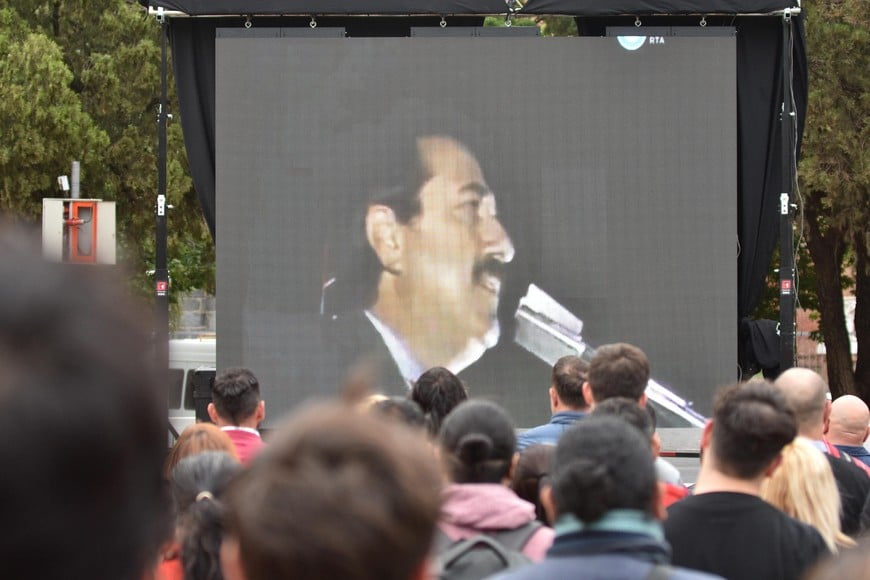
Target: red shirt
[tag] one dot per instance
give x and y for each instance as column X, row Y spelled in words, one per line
column 247, row 441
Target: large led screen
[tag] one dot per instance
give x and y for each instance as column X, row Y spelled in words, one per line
column 481, row 203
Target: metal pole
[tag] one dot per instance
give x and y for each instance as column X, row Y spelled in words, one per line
column 787, row 288
column 161, row 275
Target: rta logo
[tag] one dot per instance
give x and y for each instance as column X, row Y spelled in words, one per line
column 656, row 39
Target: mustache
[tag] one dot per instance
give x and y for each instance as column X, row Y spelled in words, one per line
column 489, row 266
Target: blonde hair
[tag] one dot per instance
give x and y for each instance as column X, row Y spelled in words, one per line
column 198, row 438
column 803, row 486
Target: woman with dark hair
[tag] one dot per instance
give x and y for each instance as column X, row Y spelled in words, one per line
column 604, row 494
column 196, row 485
column 438, row 391
column 531, row 476
column 477, row 446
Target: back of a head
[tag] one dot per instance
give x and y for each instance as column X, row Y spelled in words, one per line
column 751, row 425
column 478, row 443
column 197, row 485
column 629, row 411
column 803, row 486
column 602, row 464
column 438, row 391
column 236, row 394
column 81, row 421
column 849, row 421
column 569, row 374
column 531, row 474
column 618, row 370
column 198, row 438
column 805, row 391
column 209, row 471
column 403, row 410
column 337, row 494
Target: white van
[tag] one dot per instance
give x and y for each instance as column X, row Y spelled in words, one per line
column 187, row 355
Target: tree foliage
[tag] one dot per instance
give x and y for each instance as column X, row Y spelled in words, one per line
column 80, row 80
column 834, row 175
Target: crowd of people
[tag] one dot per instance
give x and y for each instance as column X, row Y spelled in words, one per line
column 436, row 484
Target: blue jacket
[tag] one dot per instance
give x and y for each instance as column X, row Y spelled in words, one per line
column 856, row 452
column 549, row 433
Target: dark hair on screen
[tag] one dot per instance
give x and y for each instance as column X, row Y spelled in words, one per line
column 569, row 374
column 751, row 424
column 531, row 474
column 400, row 172
column 478, row 443
column 618, row 370
column 235, row 394
column 197, row 484
column 438, row 391
column 629, row 411
column 602, row 464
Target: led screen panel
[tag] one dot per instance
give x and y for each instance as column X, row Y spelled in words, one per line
column 384, row 204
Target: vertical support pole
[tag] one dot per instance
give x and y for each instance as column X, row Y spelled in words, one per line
column 161, row 273
column 787, row 290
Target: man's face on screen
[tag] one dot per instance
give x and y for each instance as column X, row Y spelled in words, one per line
column 454, row 250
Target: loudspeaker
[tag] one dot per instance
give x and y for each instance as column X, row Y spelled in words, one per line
column 203, row 380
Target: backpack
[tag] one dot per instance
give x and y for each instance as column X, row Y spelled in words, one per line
column 482, row 555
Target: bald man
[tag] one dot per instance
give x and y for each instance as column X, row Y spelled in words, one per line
column 849, row 427
column 806, row 392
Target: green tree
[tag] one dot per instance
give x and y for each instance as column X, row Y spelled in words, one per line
column 110, row 53
column 834, row 174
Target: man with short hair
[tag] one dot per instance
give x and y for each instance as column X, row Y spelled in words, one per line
column 725, row 527
column 806, row 393
column 336, row 494
column 238, row 410
column 82, row 422
column 849, row 427
column 567, row 403
column 617, row 370
column 424, row 290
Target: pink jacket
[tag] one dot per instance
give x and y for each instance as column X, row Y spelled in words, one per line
column 472, row 508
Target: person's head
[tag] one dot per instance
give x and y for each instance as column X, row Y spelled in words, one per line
column 566, row 384
column 617, row 370
column 849, row 421
column 403, row 410
column 438, row 392
column 198, row 438
column 803, row 486
column 82, row 421
column 197, row 484
column 336, row 494
column 236, row 399
column 440, row 249
column 602, row 464
column 806, row 392
column 629, row 411
column 478, row 443
column 532, row 475
column 751, row 424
